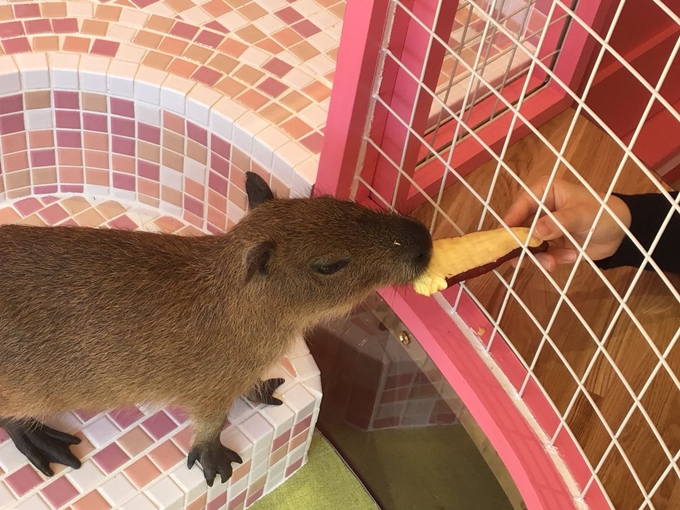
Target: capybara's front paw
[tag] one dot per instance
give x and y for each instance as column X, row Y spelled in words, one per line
column 215, row 459
column 42, row 444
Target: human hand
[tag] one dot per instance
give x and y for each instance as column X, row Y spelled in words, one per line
column 575, row 209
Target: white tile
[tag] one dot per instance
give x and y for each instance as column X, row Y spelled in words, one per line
column 166, row 494
column 34, row 70
column 191, row 481
column 255, row 56
column 171, row 178
column 237, row 488
column 273, row 5
column 313, row 386
column 234, row 212
column 131, row 53
column 123, row 194
column 233, row 21
column 6, row 497
column 307, row 7
column 305, row 366
column 281, row 417
column 246, row 128
column 300, row 400
column 217, row 490
column 101, row 431
column 324, row 20
column 266, row 142
column 133, row 17
column 10, row 457
column 121, row 79
column 37, row 119
column 240, row 410
column 171, row 209
column 117, row 490
column 97, row 191
column 298, row 348
column 174, row 92
column 35, row 502
column 199, row 102
column 86, row 477
column 194, row 170
column 196, row 16
column 77, row 10
column 269, row 24
column 275, row 476
column 148, row 114
column 236, row 440
column 148, row 85
column 93, row 71
column 139, row 502
column 258, row 471
column 314, row 115
column 257, row 429
column 64, row 70
column 296, row 454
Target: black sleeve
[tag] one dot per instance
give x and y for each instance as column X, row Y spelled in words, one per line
column 648, row 213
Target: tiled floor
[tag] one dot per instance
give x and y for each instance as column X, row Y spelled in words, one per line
column 136, row 458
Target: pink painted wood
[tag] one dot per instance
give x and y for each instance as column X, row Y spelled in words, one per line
column 362, row 33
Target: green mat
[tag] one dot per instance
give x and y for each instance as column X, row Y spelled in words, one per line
column 324, row 483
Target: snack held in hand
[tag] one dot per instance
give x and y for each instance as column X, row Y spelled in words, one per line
column 459, row 258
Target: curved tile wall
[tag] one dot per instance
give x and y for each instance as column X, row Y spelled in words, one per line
column 147, row 114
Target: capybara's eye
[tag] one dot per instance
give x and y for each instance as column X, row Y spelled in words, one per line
column 326, row 269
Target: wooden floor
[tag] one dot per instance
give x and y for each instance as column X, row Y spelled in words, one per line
column 596, row 157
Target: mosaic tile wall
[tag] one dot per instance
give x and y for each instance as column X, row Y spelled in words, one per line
column 373, row 383
column 136, row 458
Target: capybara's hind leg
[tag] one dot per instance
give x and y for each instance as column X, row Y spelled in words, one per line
column 263, row 392
column 41, row 444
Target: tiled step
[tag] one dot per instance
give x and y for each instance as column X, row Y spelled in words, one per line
column 136, row 458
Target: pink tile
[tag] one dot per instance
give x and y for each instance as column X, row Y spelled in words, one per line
column 277, row 67
column 3, row 436
column 12, row 123
column 28, row 206
column 148, row 170
column 11, row 104
column 38, row 26
column 123, row 126
column 111, row 458
column 197, row 133
column 313, row 142
column 126, row 416
column 70, row 222
column 220, row 146
column 293, row 467
column 123, row 223
column 236, row 501
column 184, row 30
column 124, row 181
column 65, row 25
column 66, row 99
column 218, row 502
column 86, row 416
column 11, row 29
column 306, row 28
column 166, row 456
column 105, row 48
column 302, row 425
column 49, row 200
column 95, row 122
column 288, row 15
column 53, row 214
column 68, row 138
column 272, row 87
column 214, row 25
column 92, row 501
column 149, row 133
column 144, row 3
column 142, row 472
column 41, row 190
column 281, row 440
column 124, row 146
column 23, row 480
column 67, row 119
column 219, row 164
column 193, row 206
column 183, row 439
column 254, row 497
column 218, row 183
column 178, row 414
column 27, row 11
column 44, row 157
column 59, row 492
column 122, row 107
column 18, row 45
column 159, row 425
column 206, row 75
column 208, row 38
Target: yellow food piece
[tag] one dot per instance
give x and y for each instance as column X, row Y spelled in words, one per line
column 456, row 255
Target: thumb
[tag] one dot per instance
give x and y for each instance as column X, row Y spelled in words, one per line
column 570, row 219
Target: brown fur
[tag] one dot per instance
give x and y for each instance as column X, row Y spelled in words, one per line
column 96, row 318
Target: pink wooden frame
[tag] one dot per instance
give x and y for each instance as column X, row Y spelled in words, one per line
column 535, row 474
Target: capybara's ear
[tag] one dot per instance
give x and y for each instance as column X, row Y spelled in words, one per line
column 258, row 190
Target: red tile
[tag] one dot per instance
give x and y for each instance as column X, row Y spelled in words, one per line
column 42, row 190
column 67, row 119
column 302, row 425
column 66, row 99
column 92, row 501
column 122, row 107
column 159, row 425
column 105, row 48
column 68, row 138
column 38, row 26
column 123, row 223
column 236, row 501
column 206, row 75
column 23, row 480
column 197, row 133
column 278, row 67
column 293, row 467
column 143, row 3
column 12, row 123
column 95, row 122
column 59, row 492
column 123, row 126
column 281, row 440
column 219, row 164
column 142, row 472
column 184, row 30
column 288, row 15
column 126, row 416
column 53, row 214
column 124, row 181
column 45, row 157
column 218, row 502
column 148, row 170
column 179, row 414
column 11, row 29
column 208, row 38
column 313, row 142
column 111, row 458
column 306, row 28
column 125, row 146
column 218, row 183
column 27, row 10
column 220, row 146
column 149, row 133
column 254, row 497
column 86, row 416
column 214, row 25
column 11, row 104
column 272, row 87
column 65, row 25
